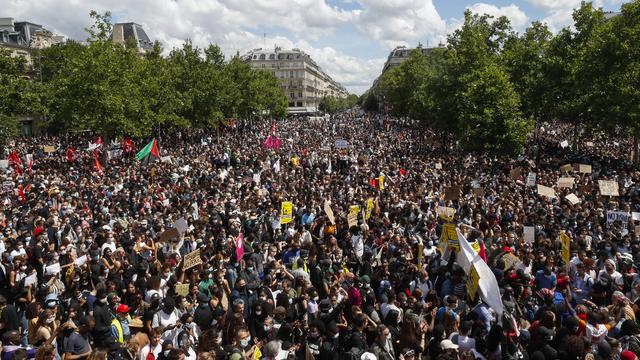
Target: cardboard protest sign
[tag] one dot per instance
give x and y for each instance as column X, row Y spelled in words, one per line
column 169, row 234
column 473, row 280
column 566, row 168
column 329, row 212
column 608, row 187
column 286, row 212
column 566, row 248
column 566, row 182
column 452, row 193
column 584, row 169
column 510, row 261
column 48, row 149
column 531, row 179
column 445, row 213
column 529, row 234
column 613, row 216
column 191, row 259
column 182, row 289
column 352, row 219
column 573, row 199
column 546, row 191
column 449, row 236
column 514, row 174
column 181, row 225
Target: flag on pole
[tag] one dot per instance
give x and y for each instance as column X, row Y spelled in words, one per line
column 149, row 151
column 276, row 166
column 23, row 199
column 71, row 154
column 96, row 163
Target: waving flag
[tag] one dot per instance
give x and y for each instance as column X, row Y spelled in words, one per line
column 127, row 146
column 149, row 152
column 72, row 155
column 23, row 198
column 272, row 142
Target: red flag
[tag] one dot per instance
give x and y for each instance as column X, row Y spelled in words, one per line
column 239, row 247
column 71, row 154
column 403, row 172
column 375, row 182
column 97, row 166
column 21, row 194
column 127, row 146
column 18, row 169
column 14, row 158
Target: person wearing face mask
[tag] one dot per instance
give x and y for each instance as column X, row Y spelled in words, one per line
column 45, row 328
column 167, row 346
column 102, row 335
column 382, row 347
column 188, row 337
column 243, row 347
column 250, row 276
column 167, row 319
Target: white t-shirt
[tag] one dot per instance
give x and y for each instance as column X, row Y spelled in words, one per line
column 147, row 348
column 161, row 319
column 358, row 245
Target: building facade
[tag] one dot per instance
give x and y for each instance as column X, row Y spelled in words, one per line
column 303, row 82
column 20, row 38
column 125, row 31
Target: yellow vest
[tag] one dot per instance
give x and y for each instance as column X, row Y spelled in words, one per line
column 115, row 322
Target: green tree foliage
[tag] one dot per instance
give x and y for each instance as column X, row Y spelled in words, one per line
column 332, row 104
column 114, row 89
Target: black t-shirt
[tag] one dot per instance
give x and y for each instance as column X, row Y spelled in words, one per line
column 203, row 317
column 76, row 344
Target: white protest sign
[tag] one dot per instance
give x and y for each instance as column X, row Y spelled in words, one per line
column 546, row 191
column 613, row 216
column 566, row 182
column 608, row 187
column 165, row 159
column 4, row 164
column 181, row 225
column 81, row 260
column 31, row 279
column 53, row 269
column 573, row 199
column 529, row 234
column 438, row 166
column 531, row 179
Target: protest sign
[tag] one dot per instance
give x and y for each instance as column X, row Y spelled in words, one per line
column 48, row 149
column 182, row 289
column 329, row 212
column 286, row 212
column 438, row 166
column 352, row 219
column 635, row 216
column 608, row 187
column 53, row 269
column 564, row 144
column 613, row 216
column 573, row 199
column 589, row 143
column 566, row 248
column 369, row 209
column 566, row 168
column 191, row 259
column 342, row 144
column 31, row 279
column 473, row 280
column 546, row 191
column 381, row 182
column 529, row 234
column 510, row 261
column 566, row 182
column 181, row 225
column 584, row 169
column 4, row 164
column 81, row 260
column 169, row 234
column 165, row 159
column 514, row 174
column 452, row 193
column 449, row 236
column 637, row 230
column 531, row 179
column 445, row 213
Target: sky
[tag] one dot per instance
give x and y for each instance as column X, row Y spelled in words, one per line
column 349, row 39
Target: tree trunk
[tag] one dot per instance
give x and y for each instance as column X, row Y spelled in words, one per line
column 575, row 138
column 636, row 156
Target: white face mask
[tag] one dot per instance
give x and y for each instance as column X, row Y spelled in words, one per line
column 49, row 320
column 268, row 327
column 245, row 342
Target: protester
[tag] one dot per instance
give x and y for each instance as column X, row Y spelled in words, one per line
column 229, row 247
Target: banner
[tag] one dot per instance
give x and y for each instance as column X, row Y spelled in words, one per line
column 566, row 248
column 286, row 212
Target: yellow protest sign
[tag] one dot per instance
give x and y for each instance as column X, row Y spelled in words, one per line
column 182, row 289
column 286, row 212
column 450, row 236
column 566, row 248
column 49, row 149
column 381, row 182
column 352, row 217
column 191, row 259
column 473, row 280
column 369, row 208
column 476, row 246
column 329, row 212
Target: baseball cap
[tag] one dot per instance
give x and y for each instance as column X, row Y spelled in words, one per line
column 122, row 309
column 448, row 345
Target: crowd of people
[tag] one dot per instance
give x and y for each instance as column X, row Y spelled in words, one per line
column 191, row 256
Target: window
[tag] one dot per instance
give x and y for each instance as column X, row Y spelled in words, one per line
column 263, row 65
column 293, row 95
column 262, row 57
column 291, row 74
column 299, row 104
column 273, row 73
column 272, row 56
column 273, row 66
column 300, row 94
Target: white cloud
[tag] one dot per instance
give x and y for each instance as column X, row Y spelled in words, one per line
column 518, row 18
column 558, row 13
column 400, row 22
